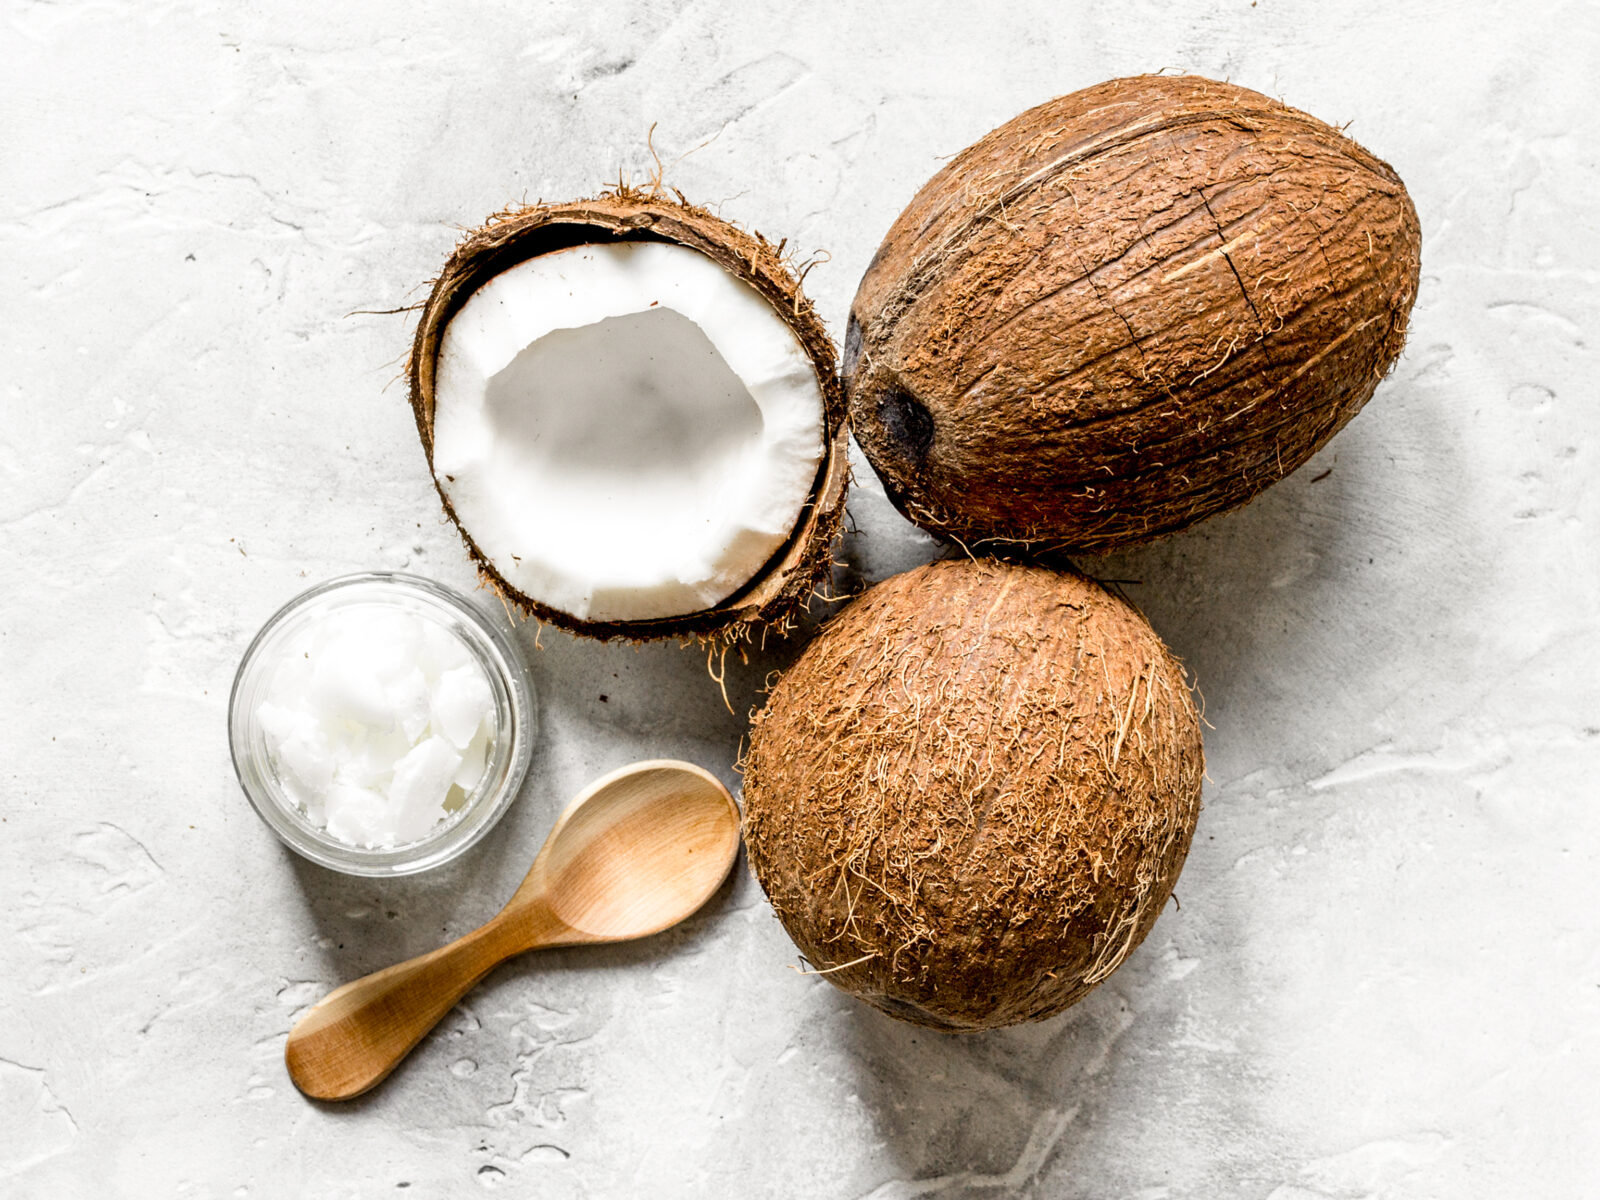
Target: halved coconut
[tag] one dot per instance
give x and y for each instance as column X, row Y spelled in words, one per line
column 632, row 415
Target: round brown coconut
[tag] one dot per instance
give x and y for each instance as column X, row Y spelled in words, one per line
column 969, row 798
column 786, row 583
column 1125, row 311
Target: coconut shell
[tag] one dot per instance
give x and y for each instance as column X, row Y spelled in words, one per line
column 969, row 798
column 1125, row 311
column 785, row 585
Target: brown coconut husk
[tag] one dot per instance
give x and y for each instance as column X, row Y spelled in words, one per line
column 785, row 585
column 1127, row 310
column 970, row 797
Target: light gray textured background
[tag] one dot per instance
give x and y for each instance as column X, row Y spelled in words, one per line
column 1384, row 980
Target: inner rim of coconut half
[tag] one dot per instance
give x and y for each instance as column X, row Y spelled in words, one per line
column 626, row 430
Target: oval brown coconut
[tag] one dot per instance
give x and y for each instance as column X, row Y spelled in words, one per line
column 1127, row 310
column 970, row 797
column 785, row 584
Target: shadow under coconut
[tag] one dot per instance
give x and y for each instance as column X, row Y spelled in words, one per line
column 1299, row 617
column 1063, row 1100
column 977, row 1109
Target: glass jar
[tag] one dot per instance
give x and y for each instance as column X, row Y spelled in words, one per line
column 509, row 746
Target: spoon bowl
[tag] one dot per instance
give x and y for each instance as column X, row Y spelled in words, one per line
column 635, row 853
column 638, row 851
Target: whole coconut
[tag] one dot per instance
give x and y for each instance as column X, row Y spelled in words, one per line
column 1127, row 310
column 970, row 797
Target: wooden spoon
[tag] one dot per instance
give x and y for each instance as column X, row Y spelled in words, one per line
column 635, row 853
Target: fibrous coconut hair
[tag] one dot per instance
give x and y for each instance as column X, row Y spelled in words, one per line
column 970, row 797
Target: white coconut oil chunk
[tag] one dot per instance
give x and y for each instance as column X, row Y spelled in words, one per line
column 627, row 431
column 377, row 725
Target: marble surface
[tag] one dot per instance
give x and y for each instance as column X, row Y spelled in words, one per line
column 1384, row 977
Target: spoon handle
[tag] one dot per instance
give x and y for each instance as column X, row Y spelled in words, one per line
column 355, row 1035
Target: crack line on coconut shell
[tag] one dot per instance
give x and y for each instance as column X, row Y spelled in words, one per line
column 1222, row 236
column 1144, row 238
column 933, row 260
column 1308, row 314
column 1105, row 300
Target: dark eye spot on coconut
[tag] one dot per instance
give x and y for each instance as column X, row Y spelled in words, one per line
column 907, row 423
column 852, row 347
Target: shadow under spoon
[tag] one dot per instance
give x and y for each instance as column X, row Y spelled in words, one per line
column 635, row 853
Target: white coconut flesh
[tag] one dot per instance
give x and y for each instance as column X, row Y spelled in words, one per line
column 626, row 431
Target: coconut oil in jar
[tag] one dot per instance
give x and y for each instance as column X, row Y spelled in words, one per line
column 380, row 721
